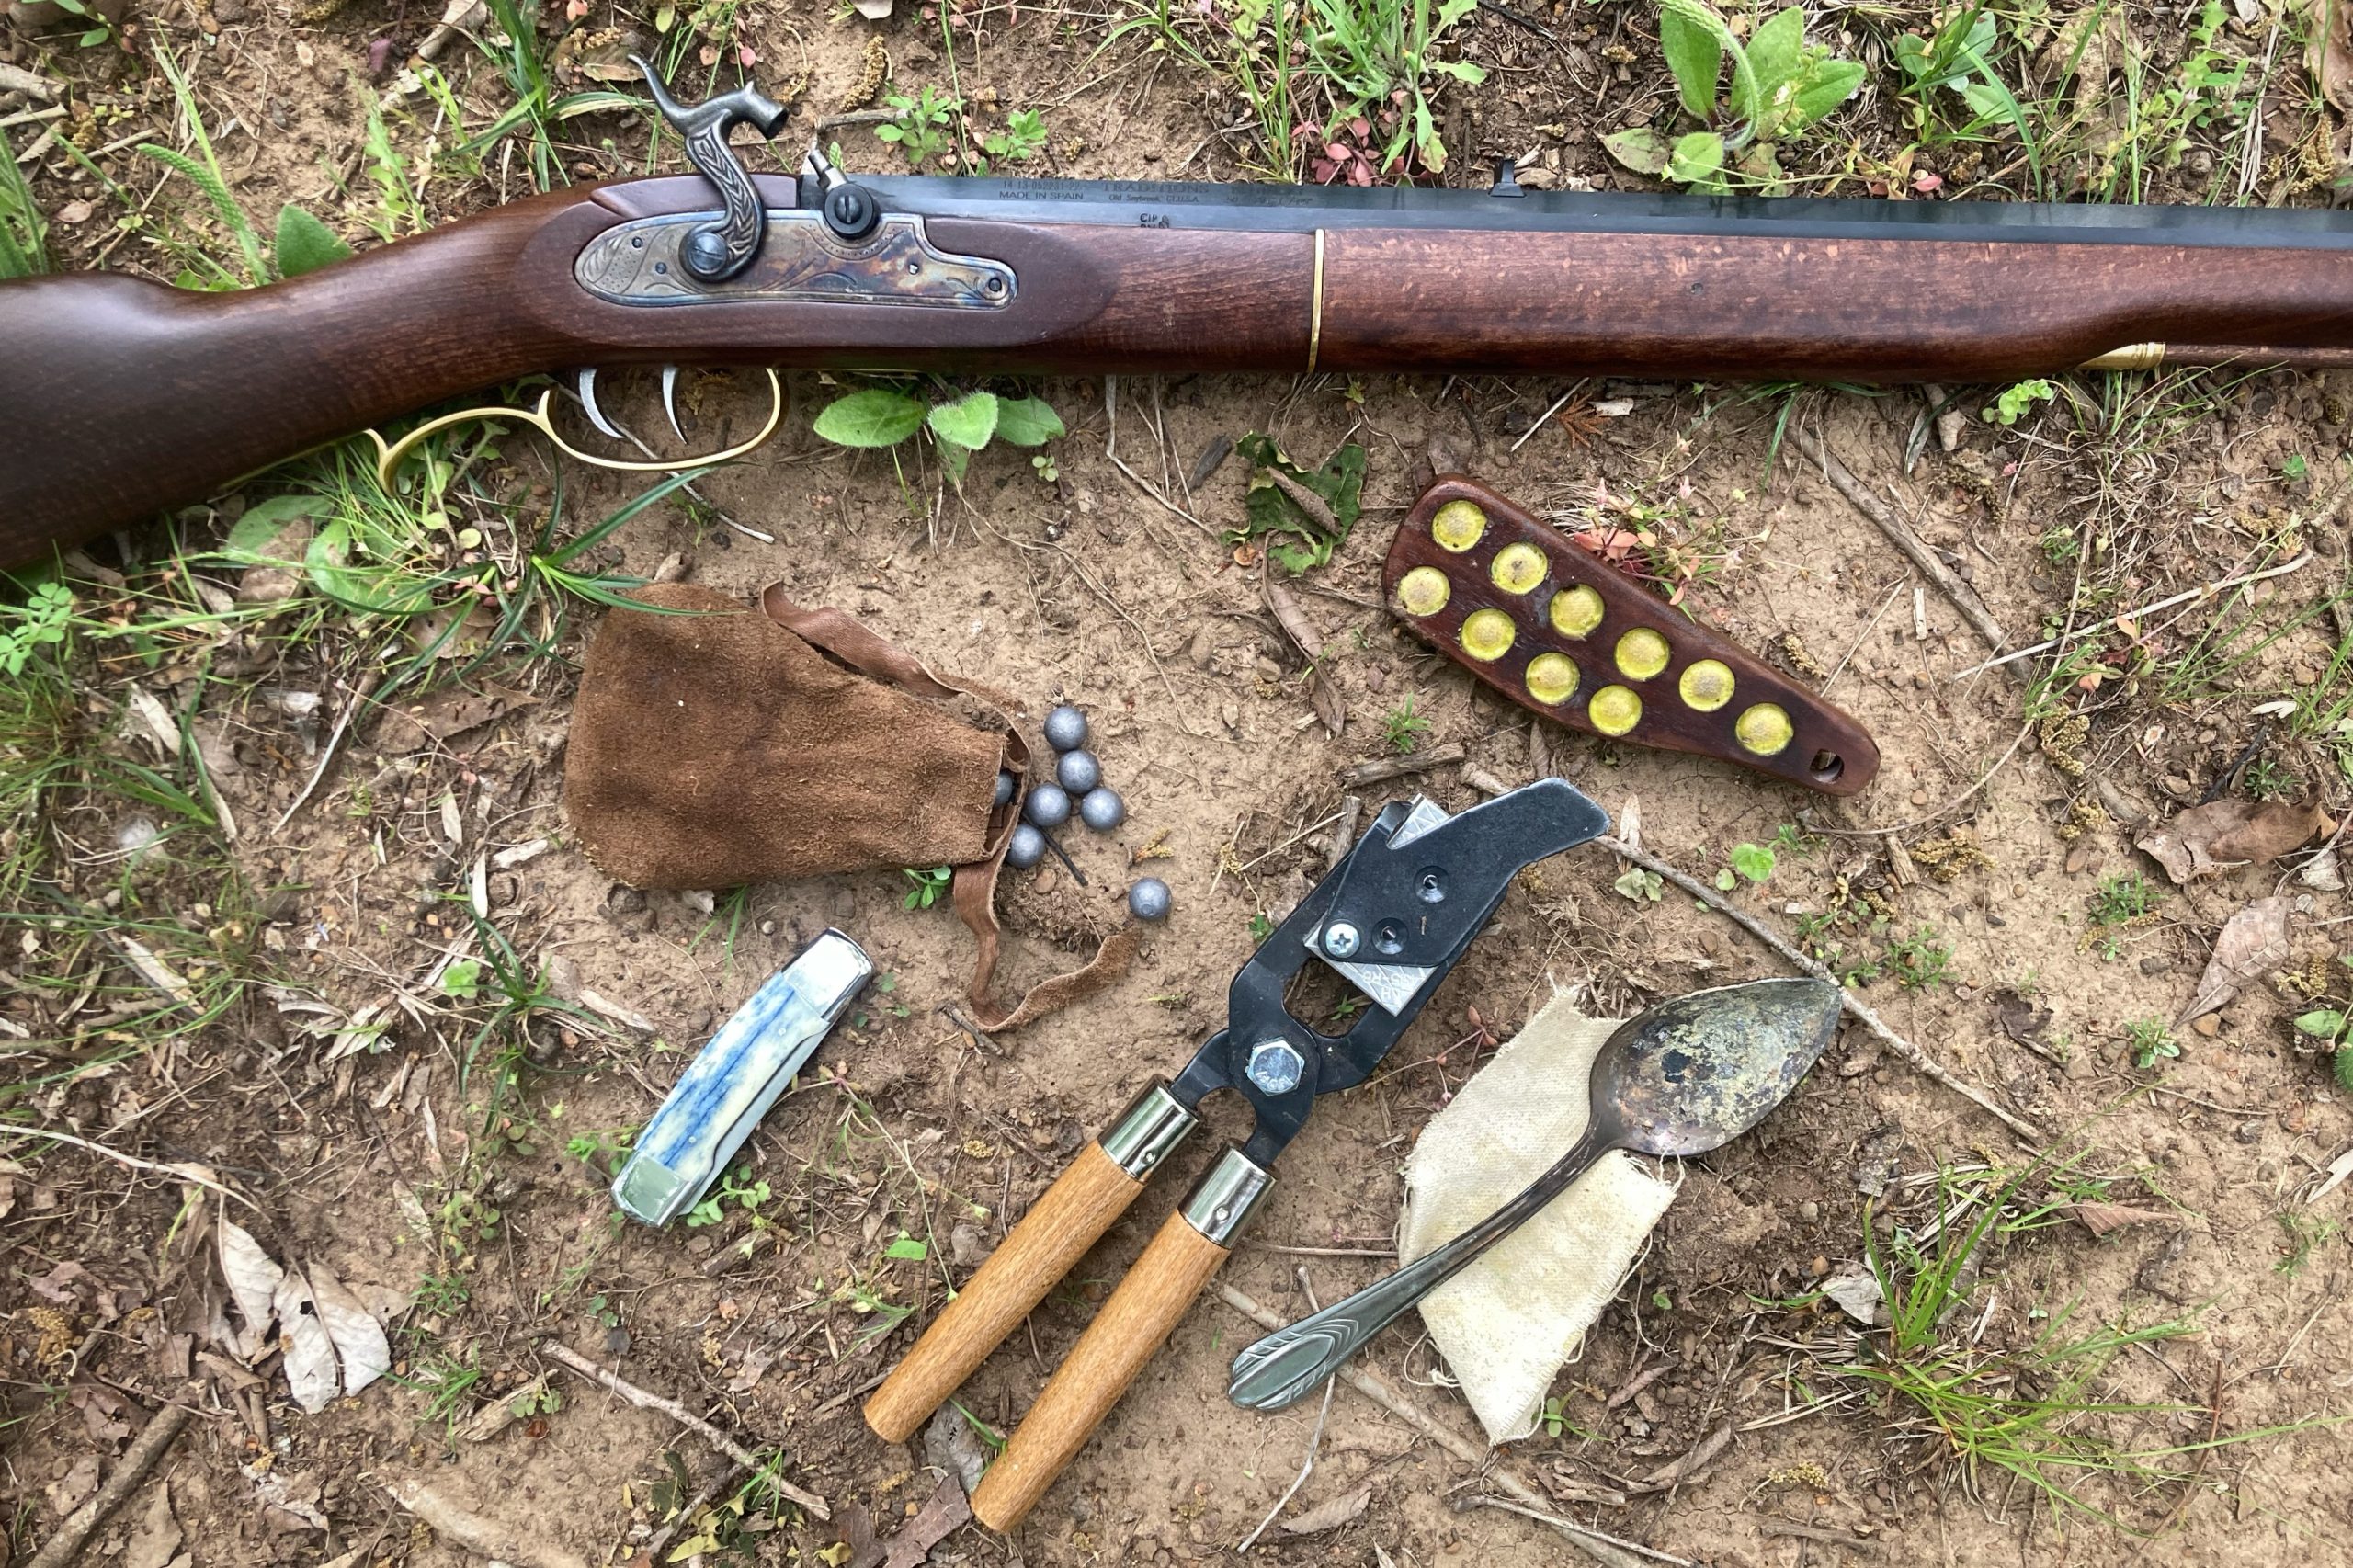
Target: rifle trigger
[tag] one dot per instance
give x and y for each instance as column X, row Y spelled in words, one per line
column 670, row 399
column 588, row 403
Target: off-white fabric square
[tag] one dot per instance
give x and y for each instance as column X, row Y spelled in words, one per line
column 1510, row 1321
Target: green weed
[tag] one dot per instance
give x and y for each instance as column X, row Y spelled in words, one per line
column 1401, row 729
column 1378, row 63
column 538, row 109
column 24, row 233
column 1919, row 959
column 1023, row 138
column 930, row 886
column 2122, row 899
column 957, row 424
column 737, row 1185
column 2150, row 1042
column 918, row 126
column 1781, row 85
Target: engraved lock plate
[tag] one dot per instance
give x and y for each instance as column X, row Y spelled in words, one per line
column 642, row 263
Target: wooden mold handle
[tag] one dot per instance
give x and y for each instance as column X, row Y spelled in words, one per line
column 1125, row 1335
column 1065, row 1221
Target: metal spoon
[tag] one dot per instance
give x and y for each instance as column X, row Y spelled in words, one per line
column 1684, row 1077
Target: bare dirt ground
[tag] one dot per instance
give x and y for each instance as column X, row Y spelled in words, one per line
column 415, row 1170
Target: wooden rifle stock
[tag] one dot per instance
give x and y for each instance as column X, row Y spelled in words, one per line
column 125, row 397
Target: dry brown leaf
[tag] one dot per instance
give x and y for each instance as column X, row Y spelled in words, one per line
column 939, row 1517
column 446, row 715
column 1325, row 699
column 1293, row 619
column 1330, row 1514
column 2328, row 49
column 2209, row 838
column 2252, row 941
column 156, row 1536
column 309, row 1362
column 252, row 1279
column 358, row 1338
column 1703, row 1454
column 2099, row 1218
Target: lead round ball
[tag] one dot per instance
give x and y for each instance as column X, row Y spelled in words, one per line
column 1047, row 806
column 1423, row 591
column 1065, row 728
column 1458, row 525
column 1025, row 848
column 1148, row 899
column 1102, row 810
column 1078, row 771
column 1006, row 785
column 1486, row 634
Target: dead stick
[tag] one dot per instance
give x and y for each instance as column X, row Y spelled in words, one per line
column 1854, row 1005
column 1374, row 1387
column 137, row 1460
column 1541, row 1517
column 678, row 1413
column 1388, row 767
column 1965, row 597
column 462, row 1526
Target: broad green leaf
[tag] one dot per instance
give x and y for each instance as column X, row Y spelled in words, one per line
column 969, row 422
column 382, row 590
column 1028, row 422
column 954, row 460
column 1754, row 861
column 907, row 1249
column 875, row 417
column 1461, row 71
column 264, row 521
column 1293, row 538
column 2325, row 1023
column 304, row 243
column 1639, row 148
column 1696, row 159
column 1830, row 84
column 1695, row 57
column 1774, row 53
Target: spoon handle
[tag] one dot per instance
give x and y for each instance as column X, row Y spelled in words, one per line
column 1278, row 1369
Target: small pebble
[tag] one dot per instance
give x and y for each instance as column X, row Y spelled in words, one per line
column 1026, row 847
column 1065, row 728
column 1047, row 806
column 1006, row 785
column 1148, row 900
column 1101, row 809
column 1078, row 771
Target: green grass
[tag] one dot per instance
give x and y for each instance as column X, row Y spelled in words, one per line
column 539, row 110
column 24, row 233
column 2040, row 1412
column 1401, row 729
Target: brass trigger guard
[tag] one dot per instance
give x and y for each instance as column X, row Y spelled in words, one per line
column 388, row 454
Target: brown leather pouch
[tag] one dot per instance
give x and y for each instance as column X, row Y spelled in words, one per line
column 753, row 743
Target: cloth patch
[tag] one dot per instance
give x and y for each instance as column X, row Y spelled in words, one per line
column 1510, row 1321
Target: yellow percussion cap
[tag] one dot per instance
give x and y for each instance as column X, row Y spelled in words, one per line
column 1576, row 611
column 1517, row 568
column 1486, row 634
column 1642, row 653
column 1552, row 678
column 1425, row 590
column 1706, row 685
column 1614, row 711
column 1764, row 729
column 1458, row 525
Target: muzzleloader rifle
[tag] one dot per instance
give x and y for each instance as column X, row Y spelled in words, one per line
column 124, row 396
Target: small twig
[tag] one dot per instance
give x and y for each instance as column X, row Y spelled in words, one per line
column 1965, row 597
column 1546, row 417
column 1541, row 1517
column 1389, row 767
column 1827, row 1537
column 2240, row 581
column 1314, row 1440
column 157, row 1436
column 564, row 1355
column 1376, row 1388
column 459, row 1526
column 184, row 1172
column 1861, row 1013
column 359, row 696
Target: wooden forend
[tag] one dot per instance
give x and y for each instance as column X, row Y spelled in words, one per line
column 1827, row 750
column 1067, row 1218
column 1125, row 1335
